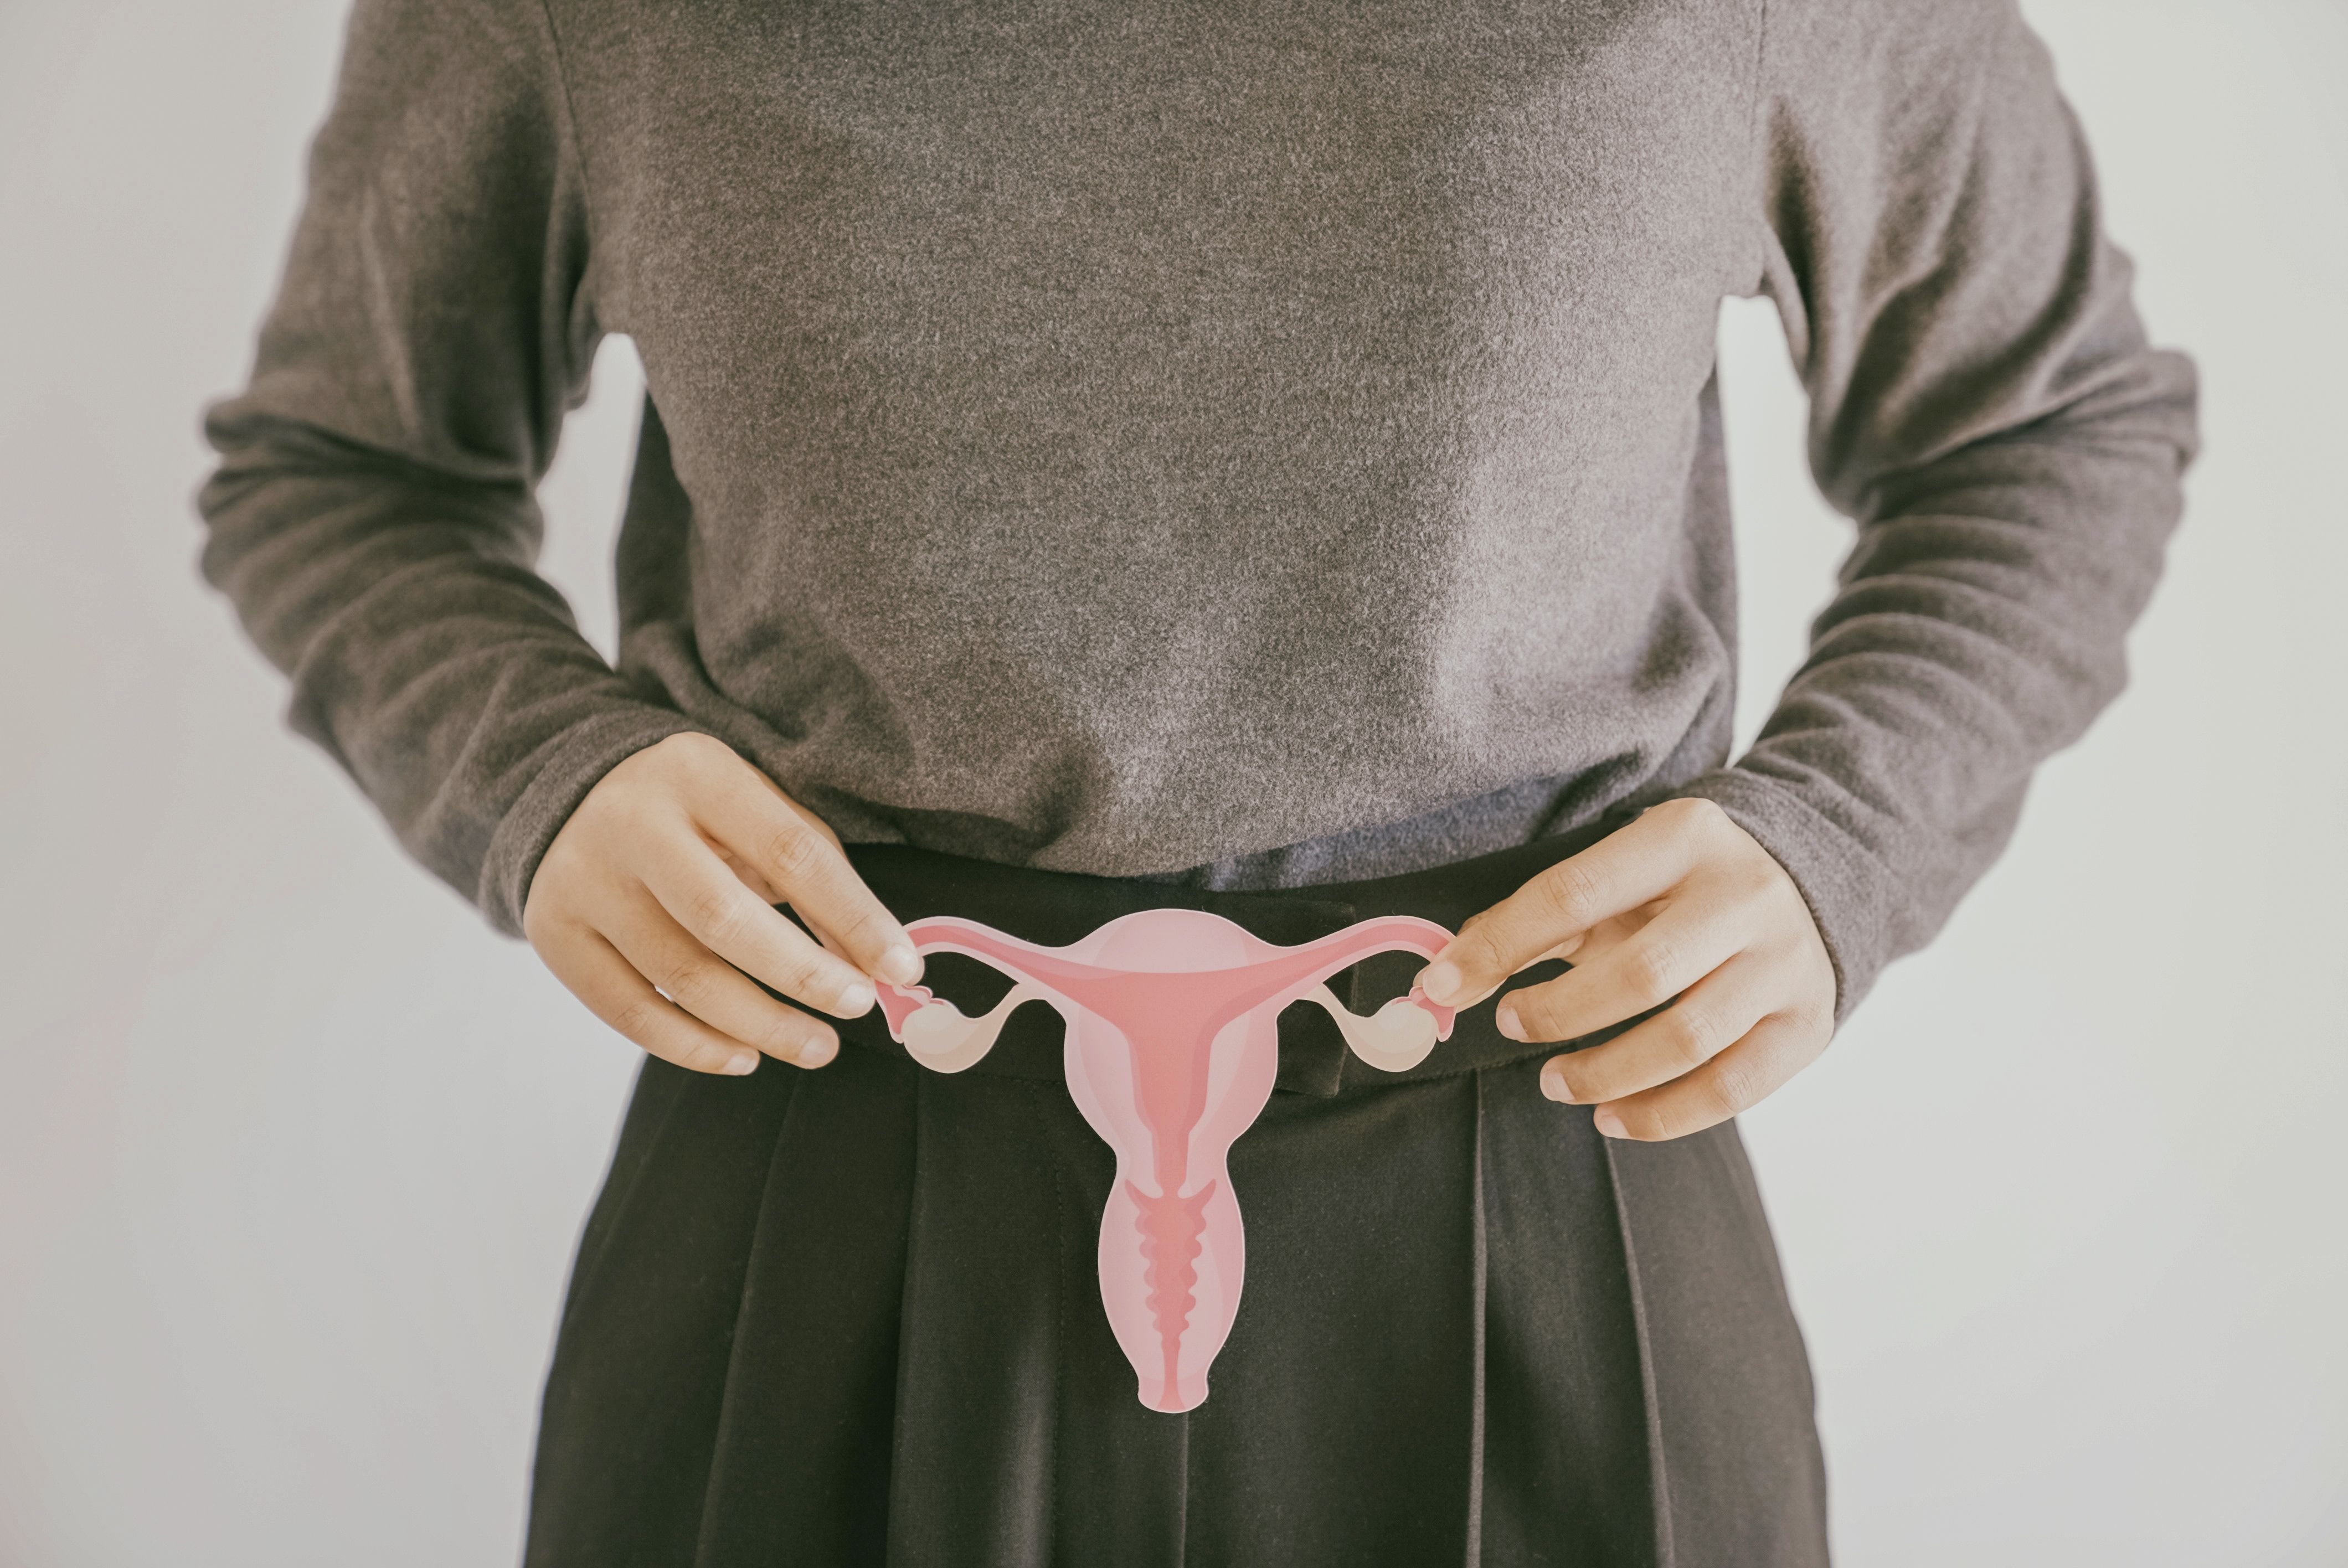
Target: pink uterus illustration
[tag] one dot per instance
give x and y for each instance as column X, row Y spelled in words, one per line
column 1172, row 1046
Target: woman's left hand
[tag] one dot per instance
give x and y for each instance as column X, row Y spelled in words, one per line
column 1681, row 903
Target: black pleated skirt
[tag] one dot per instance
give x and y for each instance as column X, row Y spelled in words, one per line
column 853, row 1316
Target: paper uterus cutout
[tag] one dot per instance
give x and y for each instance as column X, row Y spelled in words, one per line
column 1173, row 1042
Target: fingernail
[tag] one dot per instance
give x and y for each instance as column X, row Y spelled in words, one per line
column 856, row 1001
column 1553, row 1084
column 901, row 964
column 1441, row 981
column 1505, row 1017
column 748, row 1062
column 815, row 1053
column 1608, row 1124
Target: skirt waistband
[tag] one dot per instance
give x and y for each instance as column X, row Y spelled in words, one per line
column 1058, row 907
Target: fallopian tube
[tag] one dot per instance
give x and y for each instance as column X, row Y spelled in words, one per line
column 1173, row 1042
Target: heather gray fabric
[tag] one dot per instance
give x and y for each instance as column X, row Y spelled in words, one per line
column 1263, row 444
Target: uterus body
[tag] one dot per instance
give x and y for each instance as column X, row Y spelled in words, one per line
column 1172, row 1046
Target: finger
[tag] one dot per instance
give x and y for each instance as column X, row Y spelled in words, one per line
column 1737, row 1080
column 801, row 860
column 1608, row 935
column 595, row 972
column 713, row 991
column 1622, row 871
column 1716, row 1012
column 747, row 873
column 1690, row 939
column 713, row 906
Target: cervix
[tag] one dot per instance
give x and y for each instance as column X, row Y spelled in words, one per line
column 1172, row 1046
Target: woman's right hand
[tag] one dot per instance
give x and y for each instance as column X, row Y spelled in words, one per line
column 655, row 904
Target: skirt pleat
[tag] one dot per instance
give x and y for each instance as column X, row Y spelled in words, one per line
column 639, row 1381
column 977, row 1394
column 802, row 1468
column 1741, row 1477
column 1569, row 1434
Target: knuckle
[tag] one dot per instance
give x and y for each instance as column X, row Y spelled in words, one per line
column 1761, row 888
column 717, row 914
column 1726, row 1092
column 1809, row 1022
column 795, row 853
column 624, row 798
column 1694, row 1035
column 796, row 972
column 1758, row 874
column 1661, row 1126
column 858, row 925
column 1696, row 814
column 1811, row 1032
column 682, row 976
column 1570, row 895
column 634, row 1020
column 1651, row 968
column 1476, row 953
column 689, row 750
column 623, row 782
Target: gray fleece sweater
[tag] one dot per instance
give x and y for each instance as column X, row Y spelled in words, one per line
column 1264, row 441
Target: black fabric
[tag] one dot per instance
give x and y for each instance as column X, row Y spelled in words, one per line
column 853, row 1316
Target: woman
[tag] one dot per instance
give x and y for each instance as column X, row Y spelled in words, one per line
column 1260, row 459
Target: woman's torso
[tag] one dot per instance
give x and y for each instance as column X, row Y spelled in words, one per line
column 1119, row 438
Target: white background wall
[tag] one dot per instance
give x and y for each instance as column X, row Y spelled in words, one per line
column 292, row 1152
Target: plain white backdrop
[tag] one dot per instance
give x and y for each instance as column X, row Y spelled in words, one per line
column 293, row 1151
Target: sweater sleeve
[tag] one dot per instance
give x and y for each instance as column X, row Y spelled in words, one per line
column 373, row 517
column 1983, row 405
